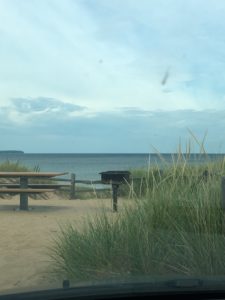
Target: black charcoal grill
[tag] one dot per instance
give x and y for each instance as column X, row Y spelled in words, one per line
column 115, row 178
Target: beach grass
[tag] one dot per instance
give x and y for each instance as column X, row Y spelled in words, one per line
column 9, row 166
column 174, row 225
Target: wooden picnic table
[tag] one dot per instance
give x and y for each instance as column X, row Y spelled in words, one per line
column 24, row 189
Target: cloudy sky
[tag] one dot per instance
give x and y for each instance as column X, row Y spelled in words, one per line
column 111, row 75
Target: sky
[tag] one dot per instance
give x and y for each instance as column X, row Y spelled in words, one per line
column 119, row 76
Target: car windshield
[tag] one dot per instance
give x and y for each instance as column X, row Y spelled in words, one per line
column 112, row 145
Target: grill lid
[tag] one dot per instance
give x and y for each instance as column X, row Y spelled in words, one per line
column 115, row 176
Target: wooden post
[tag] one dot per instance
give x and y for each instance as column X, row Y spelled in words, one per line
column 115, row 194
column 223, row 203
column 223, row 193
column 72, row 188
column 23, row 196
column 205, row 175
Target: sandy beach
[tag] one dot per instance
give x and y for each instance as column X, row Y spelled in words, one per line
column 25, row 236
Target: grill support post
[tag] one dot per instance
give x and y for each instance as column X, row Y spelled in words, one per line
column 115, row 195
column 72, row 187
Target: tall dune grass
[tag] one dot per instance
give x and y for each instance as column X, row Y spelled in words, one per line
column 9, row 166
column 174, row 227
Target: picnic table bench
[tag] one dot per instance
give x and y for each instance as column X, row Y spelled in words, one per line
column 24, row 188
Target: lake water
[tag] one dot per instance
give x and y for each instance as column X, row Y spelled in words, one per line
column 88, row 166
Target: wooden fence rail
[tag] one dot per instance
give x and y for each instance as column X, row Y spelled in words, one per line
column 71, row 183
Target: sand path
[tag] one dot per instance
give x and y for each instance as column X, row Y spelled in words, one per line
column 25, row 236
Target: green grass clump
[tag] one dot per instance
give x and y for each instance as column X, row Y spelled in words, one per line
column 144, row 180
column 176, row 227
column 9, row 166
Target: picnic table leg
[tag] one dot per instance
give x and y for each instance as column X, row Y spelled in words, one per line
column 23, row 196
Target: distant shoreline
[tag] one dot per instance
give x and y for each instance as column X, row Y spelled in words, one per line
column 11, row 152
